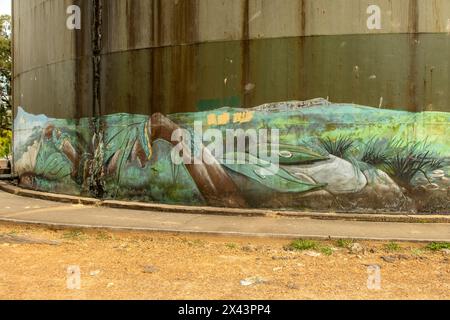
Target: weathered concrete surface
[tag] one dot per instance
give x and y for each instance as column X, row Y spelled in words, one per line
column 173, row 55
column 163, row 208
column 24, row 210
column 51, row 64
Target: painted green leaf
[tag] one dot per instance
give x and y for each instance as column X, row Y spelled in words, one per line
column 269, row 175
column 122, row 132
column 51, row 164
column 293, row 155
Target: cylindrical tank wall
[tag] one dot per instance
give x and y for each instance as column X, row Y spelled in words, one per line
column 52, row 65
column 114, row 93
column 174, row 56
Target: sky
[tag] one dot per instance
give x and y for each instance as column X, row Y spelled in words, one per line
column 5, row 6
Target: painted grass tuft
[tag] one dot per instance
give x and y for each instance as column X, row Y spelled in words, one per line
column 340, row 147
column 375, row 153
column 406, row 160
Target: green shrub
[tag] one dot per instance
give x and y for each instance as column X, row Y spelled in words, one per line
column 5, row 144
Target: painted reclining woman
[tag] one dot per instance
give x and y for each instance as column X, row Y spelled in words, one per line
column 129, row 141
column 127, row 153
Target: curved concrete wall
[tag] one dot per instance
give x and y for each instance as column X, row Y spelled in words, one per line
column 194, row 55
column 52, row 65
column 113, row 92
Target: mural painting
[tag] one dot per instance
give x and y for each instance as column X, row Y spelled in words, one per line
column 333, row 157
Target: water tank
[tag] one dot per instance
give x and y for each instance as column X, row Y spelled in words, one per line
column 194, row 55
column 187, row 59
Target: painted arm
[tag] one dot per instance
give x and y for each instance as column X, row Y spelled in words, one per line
column 212, row 180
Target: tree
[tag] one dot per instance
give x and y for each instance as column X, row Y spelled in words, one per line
column 5, row 85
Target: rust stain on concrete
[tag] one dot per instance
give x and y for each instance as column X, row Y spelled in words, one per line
column 413, row 29
column 245, row 49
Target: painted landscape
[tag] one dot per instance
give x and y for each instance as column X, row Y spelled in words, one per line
column 333, row 157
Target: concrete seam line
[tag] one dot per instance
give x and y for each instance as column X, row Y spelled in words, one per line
column 401, row 218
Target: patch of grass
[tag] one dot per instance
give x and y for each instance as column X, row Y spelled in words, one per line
column 102, row 235
column 232, row 246
column 417, row 252
column 437, row 246
column 344, row 243
column 302, row 245
column 196, row 243
column 305, row 245
column 392, row 247
column 327, row 251
column 74, row 235
column 340, row 147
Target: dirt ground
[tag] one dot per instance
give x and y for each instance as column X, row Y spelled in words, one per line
column 120, row 265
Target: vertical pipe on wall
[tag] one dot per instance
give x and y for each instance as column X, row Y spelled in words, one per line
column 96, row 180
column 245, row 53
column 414, row 42
column 96, row 53
column 12, row 86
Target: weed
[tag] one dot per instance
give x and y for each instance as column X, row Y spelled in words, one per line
column 326, row 251
column 417, row 252
column 102, row 235
column 196, row 243
column 437, row 246
column 74, row 234
column 302, row 245
column 232, row 246
column 392, row 246
column 344, row 243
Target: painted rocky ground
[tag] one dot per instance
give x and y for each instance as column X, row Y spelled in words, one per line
column 379, row 160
